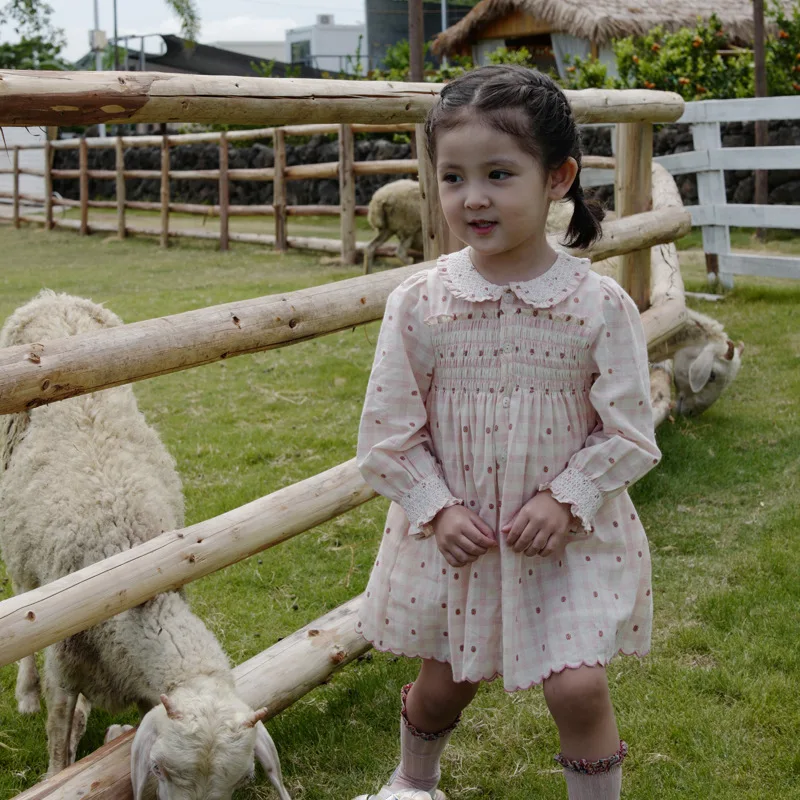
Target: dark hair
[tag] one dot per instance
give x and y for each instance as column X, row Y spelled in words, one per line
column 546, row 128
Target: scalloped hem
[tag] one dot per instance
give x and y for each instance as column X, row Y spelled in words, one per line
column 488, row 679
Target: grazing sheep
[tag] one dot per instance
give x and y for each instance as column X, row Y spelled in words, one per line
column 705, row 360
column 82, row 480
column 395, row 210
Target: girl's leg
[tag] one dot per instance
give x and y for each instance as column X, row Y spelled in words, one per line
column 591, row 751
column 431, row 708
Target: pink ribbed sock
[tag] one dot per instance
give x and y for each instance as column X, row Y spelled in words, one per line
column 595, row 780
column 420, row 754
column 601, row 786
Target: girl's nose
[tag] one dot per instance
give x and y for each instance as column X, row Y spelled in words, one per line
column 476, row 198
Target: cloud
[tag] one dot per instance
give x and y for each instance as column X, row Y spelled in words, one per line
column 246, row 28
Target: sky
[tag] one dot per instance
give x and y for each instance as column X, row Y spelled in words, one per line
column 246, row 20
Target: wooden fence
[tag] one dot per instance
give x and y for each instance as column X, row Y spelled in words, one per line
column 49, row 371
column 345, row 169
column 709, row 161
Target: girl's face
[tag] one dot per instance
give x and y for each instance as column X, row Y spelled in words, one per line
column 495, row 196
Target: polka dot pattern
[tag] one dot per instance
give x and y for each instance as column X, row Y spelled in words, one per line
column 483, row 404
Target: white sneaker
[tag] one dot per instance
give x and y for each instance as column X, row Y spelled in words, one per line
column 403, row 794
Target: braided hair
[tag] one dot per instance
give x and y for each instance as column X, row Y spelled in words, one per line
column 529, row 106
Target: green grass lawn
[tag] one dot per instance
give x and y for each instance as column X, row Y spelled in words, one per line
column 712, row 712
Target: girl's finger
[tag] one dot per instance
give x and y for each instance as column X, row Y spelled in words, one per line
column 554, row 543
column 477, row 537
column 526, row 538
column 520, row 521
column 483, row 526
column 539, row 542
column 460, row 556
column 507, row 527
column 471, row 547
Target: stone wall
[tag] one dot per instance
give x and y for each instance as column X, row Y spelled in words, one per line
column 206, row 156
column 784, row 185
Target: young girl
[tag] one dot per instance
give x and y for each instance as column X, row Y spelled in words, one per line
column 507, row 412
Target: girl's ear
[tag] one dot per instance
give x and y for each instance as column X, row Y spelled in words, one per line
column 561, row 179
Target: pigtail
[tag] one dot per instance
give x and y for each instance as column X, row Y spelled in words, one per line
column 584, row 227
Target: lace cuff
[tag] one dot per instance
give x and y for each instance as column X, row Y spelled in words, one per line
column 424, row 501
column 573, row 488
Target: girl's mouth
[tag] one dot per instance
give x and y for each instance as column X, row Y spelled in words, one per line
column 482, row 226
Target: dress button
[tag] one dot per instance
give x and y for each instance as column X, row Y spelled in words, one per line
column 508, row 347
column 506, row 402
column 508, row 296
column 503, row 456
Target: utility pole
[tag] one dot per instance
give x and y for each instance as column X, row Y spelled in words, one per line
column 98, row 56
column 416, row 40
column 761, row 176
column 116, row 37
column 444, row 27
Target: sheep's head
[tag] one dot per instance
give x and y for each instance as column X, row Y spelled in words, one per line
column 200, row 747
column 703, row 372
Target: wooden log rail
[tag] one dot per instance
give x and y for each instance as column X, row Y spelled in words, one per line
column 275, row 678
column 31, row 621
column 80, row 364
column 32, row 97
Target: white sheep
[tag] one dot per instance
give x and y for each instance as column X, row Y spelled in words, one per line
column 83, row 479
column 394, row 210
column 705, row 360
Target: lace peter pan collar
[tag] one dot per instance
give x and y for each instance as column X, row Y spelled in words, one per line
column 463, row 280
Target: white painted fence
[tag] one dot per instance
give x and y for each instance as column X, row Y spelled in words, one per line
column 709, row 160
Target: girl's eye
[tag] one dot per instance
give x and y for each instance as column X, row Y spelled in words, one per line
column 499, row 174
column 451, row 178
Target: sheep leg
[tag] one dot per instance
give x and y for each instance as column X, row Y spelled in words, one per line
column 28, row 685
column 402, row 250
column 60, row 711
column 80, row 717
column 372, row 246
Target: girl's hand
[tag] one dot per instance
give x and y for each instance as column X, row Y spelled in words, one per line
column 461, row 535
column 540, row 527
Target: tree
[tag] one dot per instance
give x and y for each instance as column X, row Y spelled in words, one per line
column 189, row 16
column 40, row 43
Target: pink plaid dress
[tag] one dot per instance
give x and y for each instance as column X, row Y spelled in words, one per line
column 483, row 395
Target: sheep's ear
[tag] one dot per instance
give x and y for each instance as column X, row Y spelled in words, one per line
column 170, row 708
column 146, row 735
column 700, row 368
column 255, row 717
column 267, row 755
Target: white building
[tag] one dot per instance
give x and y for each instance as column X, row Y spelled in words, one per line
column 264, row 51
column 28, row 159
column 327, row 46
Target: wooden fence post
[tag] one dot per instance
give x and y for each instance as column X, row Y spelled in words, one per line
column 83, row 165
column 279, row 188
column 633, row 193
column 224, row 192
column 16, row 187
column 120, row 165
column 711, row 191
column 164, row 191
column 347, row 194
column 48, row 183
column 436, row 235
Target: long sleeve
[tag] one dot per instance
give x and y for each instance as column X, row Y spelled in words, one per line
column 622, row 447
column 395, row 453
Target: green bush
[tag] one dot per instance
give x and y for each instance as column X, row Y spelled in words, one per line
column 689, row 61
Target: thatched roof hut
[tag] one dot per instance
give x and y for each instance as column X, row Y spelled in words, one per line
column 596, row 21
